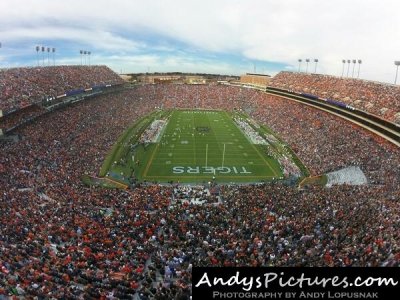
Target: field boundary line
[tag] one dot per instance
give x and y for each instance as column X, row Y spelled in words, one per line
column 150, row 161
column 115, row 182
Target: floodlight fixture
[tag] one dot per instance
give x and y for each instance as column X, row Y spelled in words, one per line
column 397, row 64
column 307, row 61
column 316, row 62
column 354, row 64
column 348, row 67
column 344, row 62
column 300, row 60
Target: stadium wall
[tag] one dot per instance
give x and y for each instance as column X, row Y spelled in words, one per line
column 255, row 79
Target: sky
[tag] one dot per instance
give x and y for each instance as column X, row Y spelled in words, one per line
column 211, row 36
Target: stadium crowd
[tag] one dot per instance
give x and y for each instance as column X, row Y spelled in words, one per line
column 20, row 116
column 152, row 133
column 250, row 132
column 21, row 87
column 62, row 239
column 376, row 98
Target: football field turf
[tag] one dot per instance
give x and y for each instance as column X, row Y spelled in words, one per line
column 198, row 145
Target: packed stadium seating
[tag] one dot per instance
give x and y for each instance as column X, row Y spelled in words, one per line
column 376, row 98
column 21, row 87
column 62, row 239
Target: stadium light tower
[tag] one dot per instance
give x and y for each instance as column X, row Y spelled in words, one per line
column 348, row 67
column 359, row 66
column 48, row 56
column 316, row 62
column 54, row 61
column 89, row 56
column 344, row 62
column 397, row 64
column 43, row 49
column 81, row 52
column 354, row 65
column 37, row 54
column 300, row 60
column 307, row 61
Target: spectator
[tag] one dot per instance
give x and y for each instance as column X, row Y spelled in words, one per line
column 376, row 98
column 21, row 87
column 61, row 239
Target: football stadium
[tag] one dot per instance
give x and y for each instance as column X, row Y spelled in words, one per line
column 126, row 179
column 116, row 188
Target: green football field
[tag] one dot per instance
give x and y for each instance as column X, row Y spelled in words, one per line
column 200, row 146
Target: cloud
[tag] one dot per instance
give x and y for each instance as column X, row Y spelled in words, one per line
column 95, row 39
column 274, row 32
